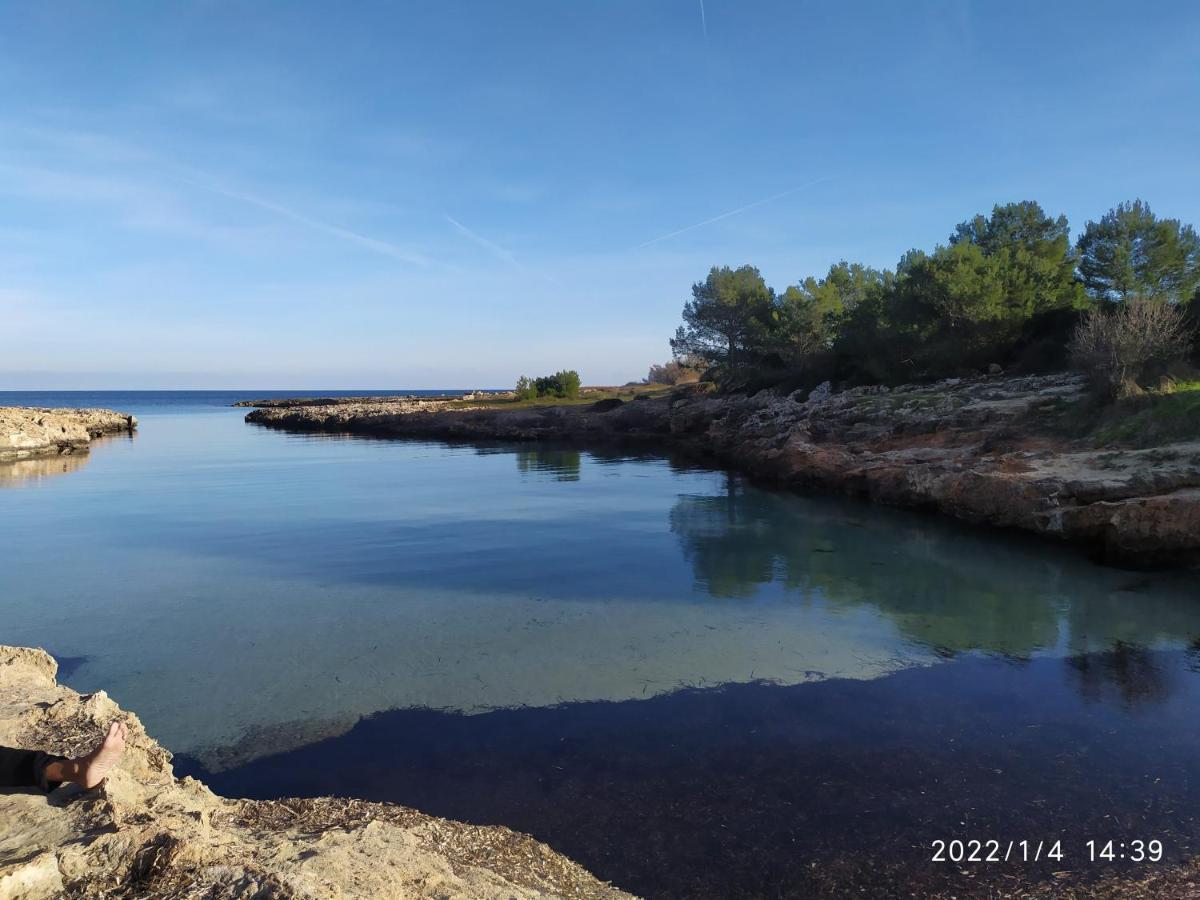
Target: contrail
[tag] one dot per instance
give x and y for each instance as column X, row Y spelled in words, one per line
column 493, row 248
column 732, row 212
column 703, row 21
column 370, row 243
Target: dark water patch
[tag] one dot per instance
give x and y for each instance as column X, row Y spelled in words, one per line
column 68, row 665
column 837, row 787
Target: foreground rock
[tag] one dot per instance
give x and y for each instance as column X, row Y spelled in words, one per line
column 144, row 833
column 27, row 432
column 980, row 449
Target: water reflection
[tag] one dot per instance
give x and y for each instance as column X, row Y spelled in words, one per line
column 561, row 464
column 1128, row 674
column 949, row 588
column 15, row 473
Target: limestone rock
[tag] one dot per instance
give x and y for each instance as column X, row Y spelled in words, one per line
column 145, row 833
column 821, row 392
column 27, row 432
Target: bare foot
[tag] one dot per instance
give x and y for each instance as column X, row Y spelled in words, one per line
column 95, row 766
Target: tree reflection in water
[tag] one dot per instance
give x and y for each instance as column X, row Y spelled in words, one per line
column 949, row 587
column 1127, row 673
column 561, row 464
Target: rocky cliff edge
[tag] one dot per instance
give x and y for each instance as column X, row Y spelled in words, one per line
column 144, row 833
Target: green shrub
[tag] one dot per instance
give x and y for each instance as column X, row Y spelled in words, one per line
column 563, row 385
column 526, row 389
column 567, row 384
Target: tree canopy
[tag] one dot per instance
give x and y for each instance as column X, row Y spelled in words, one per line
column 563, row 385
column 1131, row 254
column 1007, row 287
column 1022, row 224
column 729, row 319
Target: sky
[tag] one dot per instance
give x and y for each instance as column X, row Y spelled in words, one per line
column 292, row 194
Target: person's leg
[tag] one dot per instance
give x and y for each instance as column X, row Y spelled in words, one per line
column 18, row 768
column 33, row 768
column 91, row 769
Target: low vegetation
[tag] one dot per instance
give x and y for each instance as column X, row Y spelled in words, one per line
column 687, row 370
column 586, row 396
column 1160, row 416
column 1124, row 348
column 1165, row 414
column 562, row 385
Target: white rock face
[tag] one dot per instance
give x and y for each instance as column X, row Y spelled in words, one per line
column 27, row 431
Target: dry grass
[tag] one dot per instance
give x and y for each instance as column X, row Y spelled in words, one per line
column 516, row 857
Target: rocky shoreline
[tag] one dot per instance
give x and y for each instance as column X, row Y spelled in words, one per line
column 30, row 432
column 983, row 450
column 423, row 402
column 146, row 833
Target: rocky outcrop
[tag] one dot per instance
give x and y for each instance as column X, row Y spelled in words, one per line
column 409, row 401
column 145, row 833
column 977, row 449
column 27, row 432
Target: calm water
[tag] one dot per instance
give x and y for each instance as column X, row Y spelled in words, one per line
column 695, row 686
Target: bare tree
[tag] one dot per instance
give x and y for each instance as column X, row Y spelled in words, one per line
column 1121, row 348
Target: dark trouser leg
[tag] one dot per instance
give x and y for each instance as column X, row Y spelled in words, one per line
column 26, row 769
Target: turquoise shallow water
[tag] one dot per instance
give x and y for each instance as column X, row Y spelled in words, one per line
column 247, row 591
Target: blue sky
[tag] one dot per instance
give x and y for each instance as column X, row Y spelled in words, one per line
column 298, row 194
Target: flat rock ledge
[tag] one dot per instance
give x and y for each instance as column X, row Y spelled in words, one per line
column 27, row 432
column 975, row 449
column 144, row 833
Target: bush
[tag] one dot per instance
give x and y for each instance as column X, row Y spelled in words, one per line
column 526, row 389
column 563, row 385
column 567, row 384
column 1123, row 349
column 678, row 371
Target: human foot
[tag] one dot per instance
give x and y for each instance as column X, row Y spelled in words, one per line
column 95, row 766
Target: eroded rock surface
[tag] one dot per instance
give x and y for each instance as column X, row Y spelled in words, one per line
column 27, row 432
column 146, row 834
column 969, row 448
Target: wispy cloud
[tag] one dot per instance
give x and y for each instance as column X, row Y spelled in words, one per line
column 491, row 246
column 703, row 21
column 145, row 197
column 732, row 212
column 363, row 240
